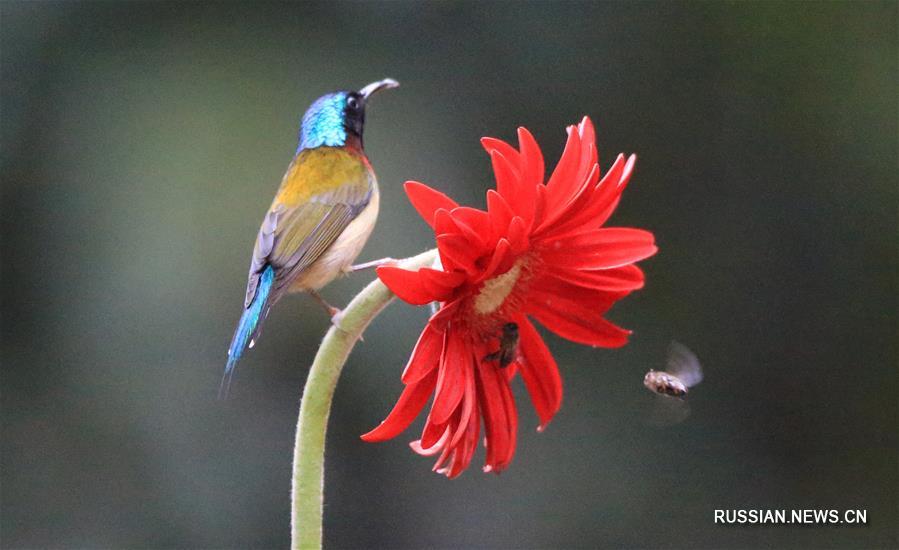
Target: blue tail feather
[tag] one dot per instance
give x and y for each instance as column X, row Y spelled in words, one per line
column 248, row 328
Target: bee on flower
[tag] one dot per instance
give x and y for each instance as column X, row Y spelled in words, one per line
column 508, row 346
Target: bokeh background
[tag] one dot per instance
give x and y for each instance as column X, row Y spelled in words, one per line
column 142, row 142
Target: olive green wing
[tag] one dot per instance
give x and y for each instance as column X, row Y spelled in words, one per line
column 293, row 237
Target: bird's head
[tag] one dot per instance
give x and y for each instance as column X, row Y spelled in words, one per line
column 335, row 119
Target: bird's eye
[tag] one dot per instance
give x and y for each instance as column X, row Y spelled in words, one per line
column 352, row 103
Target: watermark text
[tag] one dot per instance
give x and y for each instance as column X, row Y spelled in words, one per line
column 791, row 517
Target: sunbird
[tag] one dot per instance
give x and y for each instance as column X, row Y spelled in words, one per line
column 321, row 217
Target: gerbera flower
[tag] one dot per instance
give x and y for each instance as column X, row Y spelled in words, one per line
column 538, row 252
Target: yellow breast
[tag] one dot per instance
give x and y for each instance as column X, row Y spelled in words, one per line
column 316, row 171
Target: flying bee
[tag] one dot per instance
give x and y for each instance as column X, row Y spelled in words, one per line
column 508, row 346
column 683, row 372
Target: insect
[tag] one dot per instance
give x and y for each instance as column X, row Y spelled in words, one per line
column 508, row 346
column 683, row 373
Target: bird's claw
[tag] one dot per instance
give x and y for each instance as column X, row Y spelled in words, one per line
column 369, row 265
column 337, row 317
column 336, row 320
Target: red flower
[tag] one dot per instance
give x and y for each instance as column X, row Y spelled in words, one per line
column 539, row 252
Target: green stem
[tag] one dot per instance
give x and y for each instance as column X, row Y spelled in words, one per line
column 309, row 448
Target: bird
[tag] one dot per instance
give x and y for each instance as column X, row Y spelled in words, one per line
column 322, row 214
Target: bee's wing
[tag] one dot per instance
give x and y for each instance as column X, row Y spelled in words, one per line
column 667, row 411
column 683, row 364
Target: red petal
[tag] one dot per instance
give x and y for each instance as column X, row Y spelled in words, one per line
column 432, row 450
column 427, row 201
column 487, row 400
column 588, row 147
column 574, row 205
column 512, row 185
column 425, row 355
column 562, row 182
column 539, row 372
column 533, row 169
column 500, row 214
column 497, row 423
column 476, row 219
column 517, row 235
column 440, row 284
column 540, row 211
column 506, row 178
column 469, row 402
column 585, row 241
column 602, row 248
column 456, row 466
column 456, row 253
column 500, row 262
column 438, row 466
column 407, row 407
column 444, row 223
column 553, row 293
column 433, row 432
column 607, row 191
column 468, row 445
column 471, row 225
column 511, row 421
column 618, row 279
column 405, row 284
column 623, row 179
column 602, row 202
column 444, row 314
column 573, row 325
column 455, row 366
column 492, row 144
column 530, row 173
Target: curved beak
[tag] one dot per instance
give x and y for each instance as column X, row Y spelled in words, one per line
column 385, row 84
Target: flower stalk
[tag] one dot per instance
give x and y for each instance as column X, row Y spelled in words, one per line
column 307, row 487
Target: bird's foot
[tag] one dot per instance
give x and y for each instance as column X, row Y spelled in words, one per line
column 337, row 320
column 369, row 265
column 335, row 314
column 329, row 309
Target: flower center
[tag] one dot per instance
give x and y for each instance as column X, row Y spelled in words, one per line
column 496, row 290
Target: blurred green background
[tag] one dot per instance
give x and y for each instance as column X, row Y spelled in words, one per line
column 142, row 142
